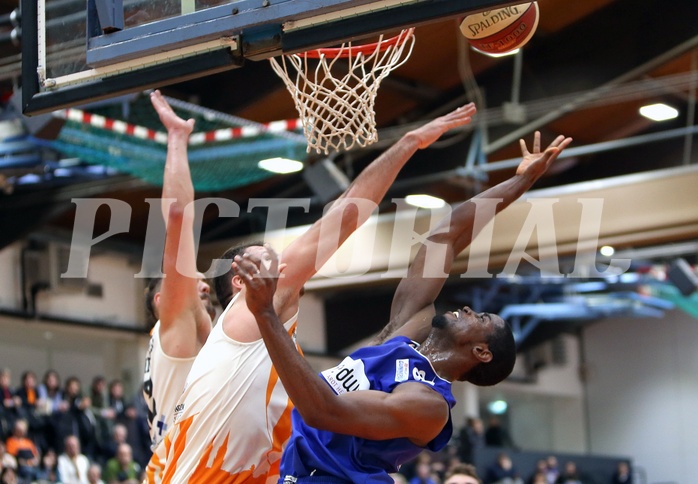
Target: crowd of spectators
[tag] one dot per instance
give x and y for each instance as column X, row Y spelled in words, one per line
column 436, row 468
column 52, row 432
column 59, row 433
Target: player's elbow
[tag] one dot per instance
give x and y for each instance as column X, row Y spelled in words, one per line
column 351, row 216
column 315, row 420
column 325, row 416
column 175, row 212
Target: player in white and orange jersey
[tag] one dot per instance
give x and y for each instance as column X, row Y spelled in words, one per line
column 181, row 304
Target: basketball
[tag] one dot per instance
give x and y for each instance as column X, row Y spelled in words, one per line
column 501, row 30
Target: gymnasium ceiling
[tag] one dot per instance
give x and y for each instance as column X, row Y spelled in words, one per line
column 585, row 73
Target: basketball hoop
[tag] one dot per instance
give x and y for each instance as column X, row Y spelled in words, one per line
column 337, row 108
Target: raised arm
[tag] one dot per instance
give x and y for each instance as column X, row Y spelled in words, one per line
column 413, row 304
column 367, row 414
column 184, row 322
column 307, row 254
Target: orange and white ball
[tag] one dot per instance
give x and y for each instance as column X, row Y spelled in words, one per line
column 502, row 30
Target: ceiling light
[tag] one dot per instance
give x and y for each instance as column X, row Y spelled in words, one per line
column 659, row 112
column 503, row 54
column 424, row 201
column 607, row 251
column 497, row 407
column 280, row 165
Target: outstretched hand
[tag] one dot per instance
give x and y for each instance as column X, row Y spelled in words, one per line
column 535, row 163
column 433, row 130
column 168, row 117
column 260, row 279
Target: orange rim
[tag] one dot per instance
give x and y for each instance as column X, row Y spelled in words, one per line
column 365, row 49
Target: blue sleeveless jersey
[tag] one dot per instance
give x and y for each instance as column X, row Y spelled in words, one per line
column 331, row 457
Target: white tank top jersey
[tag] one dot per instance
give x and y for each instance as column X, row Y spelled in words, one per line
column 163, row 382
column 232, row 420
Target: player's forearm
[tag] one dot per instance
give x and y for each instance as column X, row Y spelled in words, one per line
column 509, row 190
column 177, row 183
column 459, row 231
column 179, row 263
column 418, row 291
column 373, row 182
column 310, row 395
column 308, row 252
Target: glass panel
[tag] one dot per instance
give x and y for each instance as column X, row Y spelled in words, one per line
column 139, row 12
column 65, row 37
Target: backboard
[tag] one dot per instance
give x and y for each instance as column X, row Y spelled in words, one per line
column 75, row 53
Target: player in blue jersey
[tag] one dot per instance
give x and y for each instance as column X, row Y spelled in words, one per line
column 384, row 404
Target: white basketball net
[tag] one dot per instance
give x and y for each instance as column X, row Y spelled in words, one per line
column 337, row 108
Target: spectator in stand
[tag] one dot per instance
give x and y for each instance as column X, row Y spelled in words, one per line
column 140, row 439
column 26, row 396
column 118, row 436
column 538, row 478
column 6, row 459
column 26, row 400
column 72, row 465
column 571, row 475
column 552, row 471
column 423, row 474
column 471, row 439
column 122, row 468
column 98, row 393
column 126, row 413
column 48, row 470
column 622, row 475
column 50, row 394
column 462, row 474
column 8, row 412
column 441, row 461
column 497, row 436
column 94, row 474
column 48, row 405
column 24, row 450
column 539, row 475
column 116, row 400
column 503, row 471
column 104, row 415
column 77, row 419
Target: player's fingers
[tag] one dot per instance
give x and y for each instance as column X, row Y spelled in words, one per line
column 565, row 143
column 248, row 263
column 246, row 269
column 467, row 111
column 156, row 97
column 536, row 142
column 524, row 148
column 461, row 114
column 550, row 155
column 558, row 149
column 557, row 141
column 252, row 257
column 274, row 258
